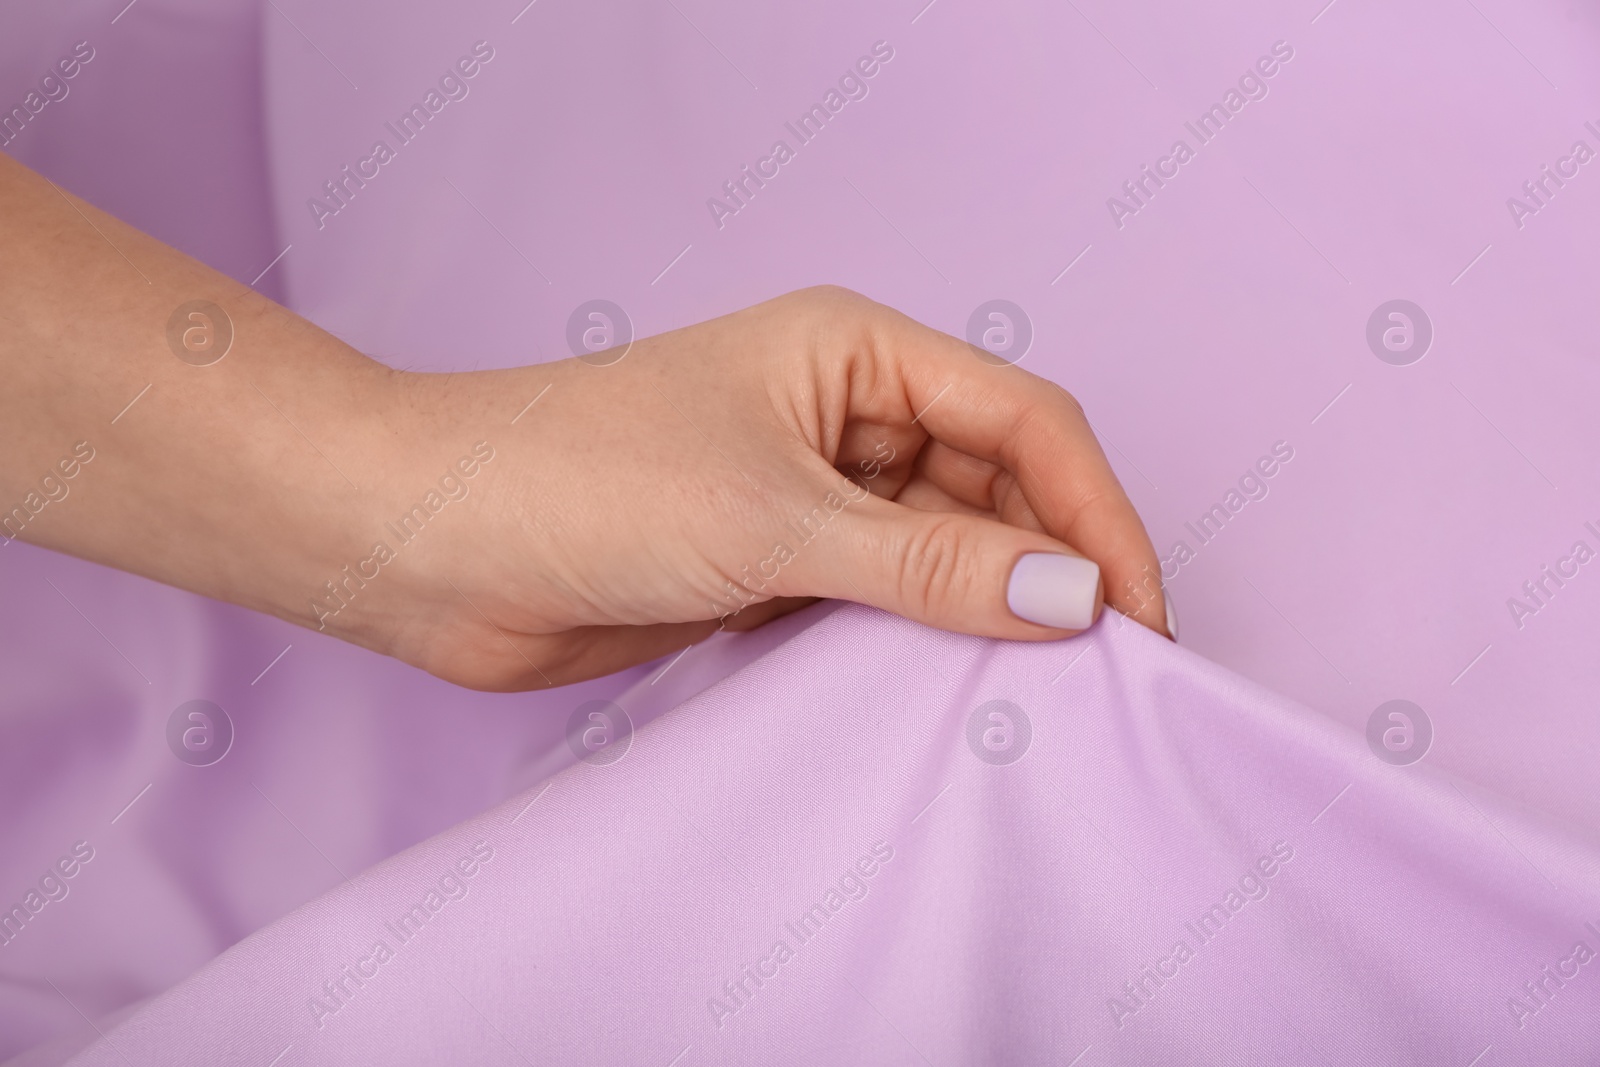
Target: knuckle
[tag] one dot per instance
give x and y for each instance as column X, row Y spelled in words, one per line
column 1072, row 402
column 1092, row 503
column 829, row 293
column 935, row 566
column 833, row 304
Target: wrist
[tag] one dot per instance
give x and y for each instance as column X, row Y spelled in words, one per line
column 405, row 552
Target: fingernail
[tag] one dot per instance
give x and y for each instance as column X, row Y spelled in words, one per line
column 1172, row 616
column 1054, row 589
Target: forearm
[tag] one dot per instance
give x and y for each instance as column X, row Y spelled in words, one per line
column 237, row 479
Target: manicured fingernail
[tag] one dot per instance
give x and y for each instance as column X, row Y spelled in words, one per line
column 1172, row 616
column 1053, row 589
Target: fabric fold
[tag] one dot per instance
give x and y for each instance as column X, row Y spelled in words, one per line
column 881, row 843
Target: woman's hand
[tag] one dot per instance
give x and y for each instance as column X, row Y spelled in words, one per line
column 532, row 527
column 817, row 445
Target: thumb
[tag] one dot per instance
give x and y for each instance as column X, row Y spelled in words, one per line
column 959, row 572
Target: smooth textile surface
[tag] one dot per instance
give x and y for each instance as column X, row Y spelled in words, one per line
column 1416, row 539
column 1156, row 861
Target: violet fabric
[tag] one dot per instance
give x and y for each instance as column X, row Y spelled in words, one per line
column 1352, row 509
column 995, row 897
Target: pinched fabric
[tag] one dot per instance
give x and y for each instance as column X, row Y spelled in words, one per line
column 878, row 843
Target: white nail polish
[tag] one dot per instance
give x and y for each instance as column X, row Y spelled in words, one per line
column 1054, row 589
column 1172, row 615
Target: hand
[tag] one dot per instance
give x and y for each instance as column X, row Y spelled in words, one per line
column 533, row 527
column 817, row 445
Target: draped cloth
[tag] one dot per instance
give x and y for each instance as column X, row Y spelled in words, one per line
column 844, row 836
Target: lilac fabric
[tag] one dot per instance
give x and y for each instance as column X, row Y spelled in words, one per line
column 1110, row 844
column 1353, row 508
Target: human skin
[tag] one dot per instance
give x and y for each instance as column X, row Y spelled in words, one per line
column 616, row 510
